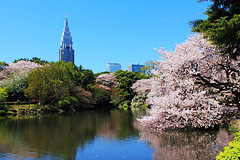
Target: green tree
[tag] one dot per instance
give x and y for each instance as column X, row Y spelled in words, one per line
column 49, row 84
column 71, row 70
column 3, row 94
column 3, row 65
column 101, row 96
column 80, row 76
column 148, row 67
column 14, row 78
column 15, row 85
column 34, row 59
column 54, row 82
column 86, row 78
column 68, row 103
column 222, row 27
column 117, row 96
column 126, row 80
column 3, row 98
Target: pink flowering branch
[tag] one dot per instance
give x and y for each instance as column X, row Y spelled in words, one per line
column 188, row 84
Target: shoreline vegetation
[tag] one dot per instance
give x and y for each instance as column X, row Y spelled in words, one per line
column 59, row 86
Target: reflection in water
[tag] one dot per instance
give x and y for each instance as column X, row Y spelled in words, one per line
column 189, row 145
column 59, row 135
column 110, row 134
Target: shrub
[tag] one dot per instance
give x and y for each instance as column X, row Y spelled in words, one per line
column 64, row 105
column 73, row 101
column 3, row 94
column 101, row 96
column 139, row 101
column 232, row 151
column 2, row 112
column 125, row 106
column 5, row 107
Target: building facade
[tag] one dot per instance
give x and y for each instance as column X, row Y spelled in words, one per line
column 135, row 67
column 113, row 67
column 66, row 52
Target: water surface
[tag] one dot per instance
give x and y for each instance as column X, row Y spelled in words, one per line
column 102, row 135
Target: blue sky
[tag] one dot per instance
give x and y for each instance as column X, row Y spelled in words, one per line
column 119, row 31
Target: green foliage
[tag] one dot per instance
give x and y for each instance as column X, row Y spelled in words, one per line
column 4, row 108
column 232, row 151
column 126, row 80
column 232, row 128
column 68, row 103
column 49, row 84
column 139, row 101
column 59, row 82
column 3, row 94
column 64, row 104
column 101, row 96
column 3, row 65
column 73, row 101
column 86, row 78
column 2, row 112
column 222, row 26
column 80, row 76
column 15, row 85
column 117, row 96
column 34, row 59
column 148, row 67
column 125, row 105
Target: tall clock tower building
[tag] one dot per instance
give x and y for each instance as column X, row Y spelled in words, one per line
column 66, row 52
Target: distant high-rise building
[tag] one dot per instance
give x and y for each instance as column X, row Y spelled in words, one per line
column 66, row 52
column 113, row 67
column 135, row 67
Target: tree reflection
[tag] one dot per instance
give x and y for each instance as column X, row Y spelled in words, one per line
column 178, row 145
column 61, row 135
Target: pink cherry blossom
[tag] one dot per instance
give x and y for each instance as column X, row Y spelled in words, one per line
column 20, row 66
column 189, row 83
column 107, row 81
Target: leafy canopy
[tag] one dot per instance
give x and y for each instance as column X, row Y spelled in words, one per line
column 34, row 59
column 50, row 83
column 126, row 80
column 148, row 67
column 3, row 94
column 222, row 27
column 56, row 81
column 3, row 65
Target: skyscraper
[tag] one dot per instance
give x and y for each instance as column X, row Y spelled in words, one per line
column 135, row 67
column 66, row 52
column 113, row 67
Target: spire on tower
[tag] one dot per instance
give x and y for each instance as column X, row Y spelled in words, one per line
column 66, row 21
column 66, row 52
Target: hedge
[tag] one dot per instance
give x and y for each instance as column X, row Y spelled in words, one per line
column 232, row 151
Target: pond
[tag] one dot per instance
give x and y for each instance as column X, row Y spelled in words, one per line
column 102, row 135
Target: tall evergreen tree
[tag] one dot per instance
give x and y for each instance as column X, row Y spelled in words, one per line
column 222, row 27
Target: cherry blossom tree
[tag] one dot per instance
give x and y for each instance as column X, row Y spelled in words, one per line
column 19, row 67
column 14, row 76
column 143, row 86
column 179, row 145
column 107, row 81
column 188, row 86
